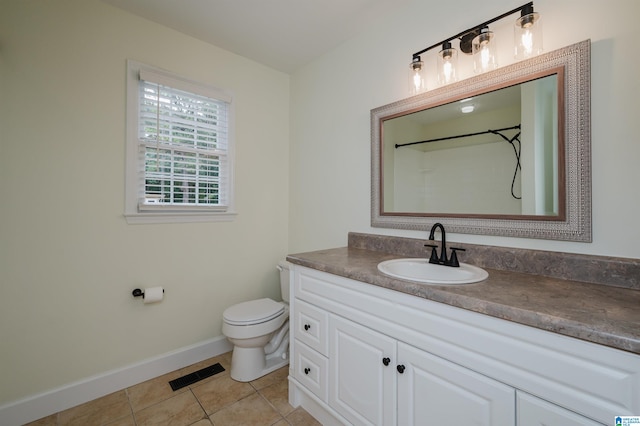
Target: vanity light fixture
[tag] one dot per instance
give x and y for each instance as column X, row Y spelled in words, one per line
column 480, row 42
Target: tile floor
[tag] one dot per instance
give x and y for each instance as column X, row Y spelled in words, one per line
column 217, row 401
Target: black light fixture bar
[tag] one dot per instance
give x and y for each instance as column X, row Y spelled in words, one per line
column 475, row 28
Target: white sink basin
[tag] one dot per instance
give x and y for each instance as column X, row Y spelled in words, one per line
column 422, row 271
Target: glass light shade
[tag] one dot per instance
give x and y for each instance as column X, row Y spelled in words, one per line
column 417, row 73
column 528, row 36
column 484, row 51
column 447, row 64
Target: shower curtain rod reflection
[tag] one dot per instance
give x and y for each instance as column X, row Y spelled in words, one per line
column 458, row 136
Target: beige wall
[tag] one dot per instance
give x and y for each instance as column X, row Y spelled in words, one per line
column 332, row 98
column 68, row 259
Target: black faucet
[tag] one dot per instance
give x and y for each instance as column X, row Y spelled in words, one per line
column 442, row 260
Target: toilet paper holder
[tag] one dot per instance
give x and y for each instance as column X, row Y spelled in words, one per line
column 138, row 292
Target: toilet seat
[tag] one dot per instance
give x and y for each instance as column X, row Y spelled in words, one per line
column 253, row 312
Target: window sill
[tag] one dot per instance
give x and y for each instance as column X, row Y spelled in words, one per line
column 179, row 217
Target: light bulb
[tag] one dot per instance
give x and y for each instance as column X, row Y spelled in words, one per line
column 526, row 40
column 416, row 76
column 485, row 57
column 447, row 62
column 447, row 71
column 484, row 51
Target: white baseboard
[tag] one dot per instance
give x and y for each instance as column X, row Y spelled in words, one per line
column 44, row 404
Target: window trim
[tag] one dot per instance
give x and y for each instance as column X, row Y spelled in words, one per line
column 171, row 213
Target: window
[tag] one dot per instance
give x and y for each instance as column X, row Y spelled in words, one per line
column 179, row 149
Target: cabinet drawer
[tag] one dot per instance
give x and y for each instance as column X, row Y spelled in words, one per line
column 311, row 325
column 311, row 370
column 533, row 411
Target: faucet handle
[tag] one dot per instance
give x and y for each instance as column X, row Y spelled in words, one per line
column 434, row 253
column 453, row 261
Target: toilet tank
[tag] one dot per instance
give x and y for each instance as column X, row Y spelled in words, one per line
column 284, row 268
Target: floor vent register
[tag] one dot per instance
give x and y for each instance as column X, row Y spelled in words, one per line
column 192, row 378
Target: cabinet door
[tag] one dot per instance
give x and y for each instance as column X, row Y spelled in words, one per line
column 433, row 391
column 361, row 387
column 533, row 411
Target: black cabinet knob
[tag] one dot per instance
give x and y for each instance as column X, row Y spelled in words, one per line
column 400, row 368
column 307, row 370
column 386, row 361
column 307, row 327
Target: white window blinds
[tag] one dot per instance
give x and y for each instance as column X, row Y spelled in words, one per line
column 183, row 131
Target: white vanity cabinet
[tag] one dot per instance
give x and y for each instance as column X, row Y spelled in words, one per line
column 366, row 355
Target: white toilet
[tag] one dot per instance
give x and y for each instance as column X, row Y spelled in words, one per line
column 259, row 331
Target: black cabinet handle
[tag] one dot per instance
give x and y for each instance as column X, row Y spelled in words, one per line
column 307, row 327
column 400, row 368
column 386, row 361
column 307, row 370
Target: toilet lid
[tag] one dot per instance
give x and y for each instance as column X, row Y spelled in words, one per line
column 253, row 312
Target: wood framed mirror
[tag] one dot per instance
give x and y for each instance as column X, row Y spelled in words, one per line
column 518, row 164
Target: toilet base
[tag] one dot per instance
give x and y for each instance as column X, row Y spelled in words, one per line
column 248, row 364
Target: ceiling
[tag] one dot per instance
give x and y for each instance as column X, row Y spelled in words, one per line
column 282, row 34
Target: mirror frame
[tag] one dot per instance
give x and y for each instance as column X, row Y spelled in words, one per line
column 575, row 223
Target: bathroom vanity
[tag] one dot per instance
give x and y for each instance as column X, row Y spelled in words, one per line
column 515, row 349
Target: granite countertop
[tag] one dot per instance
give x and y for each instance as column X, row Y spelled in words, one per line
column 596, row 313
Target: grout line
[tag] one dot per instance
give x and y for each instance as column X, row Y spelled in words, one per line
column 133, row 415
column 272, row 406
column 206, row 416
column 204, row 410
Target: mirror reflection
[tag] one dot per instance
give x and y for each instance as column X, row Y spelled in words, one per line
column 495, row 153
